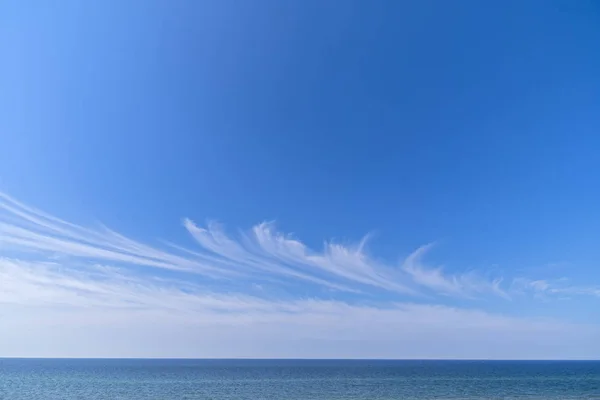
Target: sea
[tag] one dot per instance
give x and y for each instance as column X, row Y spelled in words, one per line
column 136, row 379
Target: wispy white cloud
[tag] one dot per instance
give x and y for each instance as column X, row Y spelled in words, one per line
column 545, row 288
column 236, row 256
column 268, row 251
column 25, row 229
column 261, row 254
column 127, row 315
column 49, row 284
column 467, row 284
column 82, row 285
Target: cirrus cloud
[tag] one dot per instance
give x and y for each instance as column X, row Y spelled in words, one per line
column 64, row 286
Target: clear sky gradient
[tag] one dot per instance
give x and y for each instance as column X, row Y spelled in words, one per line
column 300, row 178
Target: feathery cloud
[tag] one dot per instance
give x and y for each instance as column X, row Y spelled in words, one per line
column 261, row 255
column 84, row 285
column 464, row 285
column 545, row 289
column 103, row 311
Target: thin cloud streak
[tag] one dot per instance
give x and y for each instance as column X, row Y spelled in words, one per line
column 29, row 230
column 260, row 255
column 467, row 285
column 78, row 281
column 546, row 289
column 350, row 263
column 267, row 251
column 233, row 254
column 52, row 286
column 130, row 316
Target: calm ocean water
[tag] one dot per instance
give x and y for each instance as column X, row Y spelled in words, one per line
column 296, row 379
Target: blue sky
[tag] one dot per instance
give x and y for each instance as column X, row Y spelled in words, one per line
column 272, row 178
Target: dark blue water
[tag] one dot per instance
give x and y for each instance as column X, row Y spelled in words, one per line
column 296, row 379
